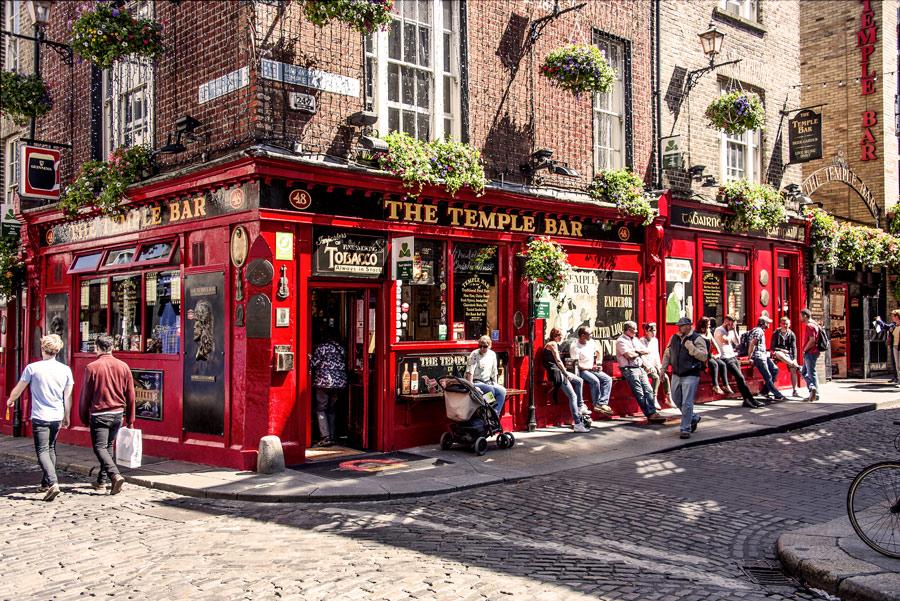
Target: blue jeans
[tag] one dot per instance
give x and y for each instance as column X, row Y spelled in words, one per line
column 684, row 389
column 499, row 395
column 600, row 385
column 571, row 387
column 45, row 434
column 769, row 371
column 103, row 434
column 808, row 371
column 640, row 387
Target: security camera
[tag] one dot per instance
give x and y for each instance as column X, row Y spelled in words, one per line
column 564, row 170
column 373, row 144
column 362, row 119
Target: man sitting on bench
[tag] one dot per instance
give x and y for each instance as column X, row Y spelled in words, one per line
column 585, row 354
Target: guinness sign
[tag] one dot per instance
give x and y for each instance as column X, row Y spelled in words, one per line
column 40, row 173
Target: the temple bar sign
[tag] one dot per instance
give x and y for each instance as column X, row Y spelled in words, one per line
column 805, row 137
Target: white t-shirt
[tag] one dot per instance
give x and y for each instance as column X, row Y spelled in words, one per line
column 730, row 340
column 47, row 380
column 482, row 367
column 653, row 360
column 583, row 354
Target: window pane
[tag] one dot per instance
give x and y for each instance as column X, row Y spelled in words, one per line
column 423, row 85
column 409, row 123
column 424, row 46
column 424, row 15
column 782, row 262
column 423, row 126
column 393, row 83
column 737, row 259
column 713, row 305
column 394, row 119
column 447, row 7
column 712, row 257
column 423, row 303
column 86, row 262
column 407, row 85
column 475, row 289
column 122, row 256
column 394, row 40
column 735, row 294
column 448, row 90
column 154, row 252
column 162, row 320
column 447, row 53
column 125, row 311
column 92, row 312
column 409, row 43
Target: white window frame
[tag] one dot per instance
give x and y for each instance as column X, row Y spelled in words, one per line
column 10, row 172
column 378, row 63
column 615, row 152
column 751, row 143
column 126, row 82
column 12, row 22
column 745, row 9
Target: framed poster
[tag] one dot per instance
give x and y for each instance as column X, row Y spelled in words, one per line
column 148, row 394
column 679, row 290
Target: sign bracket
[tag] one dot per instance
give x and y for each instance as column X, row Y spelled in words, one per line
column 787, row 112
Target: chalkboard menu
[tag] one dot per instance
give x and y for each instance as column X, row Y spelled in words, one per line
column 431, row 368
column 712, row 295
column 475, row 268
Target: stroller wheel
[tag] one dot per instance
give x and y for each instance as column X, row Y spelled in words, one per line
column 480, row 446
column 502, row 443
column 446, row 441
column 510, row 440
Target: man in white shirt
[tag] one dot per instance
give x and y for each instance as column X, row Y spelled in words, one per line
column 653, row 363
column 481, row 370
column 586, row 355
column 726, row 336
column 630, row 353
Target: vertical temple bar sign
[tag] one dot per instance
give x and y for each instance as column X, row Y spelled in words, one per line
column 866, row 38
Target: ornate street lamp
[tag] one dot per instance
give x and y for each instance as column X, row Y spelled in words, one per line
column 39, row 11
column 711, row 41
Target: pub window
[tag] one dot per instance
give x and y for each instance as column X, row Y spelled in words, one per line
column 93, row 312
column 725, row 285
column 740, row 154
column 156, row 252
column 118, row 257
column 125, row 312
column 162, row 317
column 745, row 9
column 422, row 312
column 610, row 108
column 474, row 290
column 10, row 172
column 88, row 262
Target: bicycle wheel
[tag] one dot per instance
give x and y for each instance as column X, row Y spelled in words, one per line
column 873, row 506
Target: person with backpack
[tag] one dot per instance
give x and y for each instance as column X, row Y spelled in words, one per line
column 726, row 337
column 784, row 349
column 761, row 359
column 815, row 341
column 687, row 353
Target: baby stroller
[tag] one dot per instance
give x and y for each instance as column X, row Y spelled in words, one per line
column 473, row 418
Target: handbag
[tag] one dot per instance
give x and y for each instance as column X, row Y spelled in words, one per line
column 129, row 447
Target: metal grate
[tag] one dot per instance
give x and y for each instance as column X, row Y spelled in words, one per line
column 769, row 575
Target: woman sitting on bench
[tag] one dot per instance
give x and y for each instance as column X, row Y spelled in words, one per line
column 562, row 379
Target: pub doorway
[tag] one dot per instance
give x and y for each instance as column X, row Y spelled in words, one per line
column 348, row 317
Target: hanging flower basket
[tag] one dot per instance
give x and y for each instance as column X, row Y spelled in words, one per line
column 102, row 184
column 757, row 207
column 626, row 189
column 823, row 230
column 546, row 264
column 23, row 97
column 12, row 268
column 736, row 112
column 579, row 68
column 107, row 33
column 365, row 16
column 442, row 162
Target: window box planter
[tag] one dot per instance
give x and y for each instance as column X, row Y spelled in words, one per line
column 625, row 189
column 102, row 184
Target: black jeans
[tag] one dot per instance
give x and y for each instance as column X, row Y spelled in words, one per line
column 44, row 434
column 734, row 366
column 103, row 434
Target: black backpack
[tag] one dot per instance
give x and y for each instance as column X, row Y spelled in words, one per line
column 743, row 348
column 822, row 342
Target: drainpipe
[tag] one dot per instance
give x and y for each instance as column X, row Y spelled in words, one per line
column 657, row 93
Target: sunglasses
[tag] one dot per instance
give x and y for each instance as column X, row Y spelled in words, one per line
column 483, row 346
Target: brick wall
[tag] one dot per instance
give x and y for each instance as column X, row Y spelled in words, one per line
column 770, row 65
column 831, row 69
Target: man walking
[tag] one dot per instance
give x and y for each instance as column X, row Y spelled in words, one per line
column 727, row 338
column 810, row 353
column 106, row 398
column 629, row 354
column 761, row 359
column 50, row 382
column 686, row 356
column 586, row 356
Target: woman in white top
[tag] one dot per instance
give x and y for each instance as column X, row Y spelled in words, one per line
column 716, row 364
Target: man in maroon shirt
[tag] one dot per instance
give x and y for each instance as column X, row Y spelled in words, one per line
column 107, row 396
column 810, row 353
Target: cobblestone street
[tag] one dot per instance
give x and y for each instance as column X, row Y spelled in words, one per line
column 682, row 525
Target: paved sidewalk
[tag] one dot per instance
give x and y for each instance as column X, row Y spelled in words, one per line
column 428, row 470
column 831, row 557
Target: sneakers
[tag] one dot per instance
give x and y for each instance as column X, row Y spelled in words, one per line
column 98, row 485
column 813, row 395
column 684, row 435
column 580, row 428
column 117, row 483
column 752, row 403
column 694, row 423
column 718, row 390
column 583, row 410
column 52, row 492
column 42, row 489
column 604, row 409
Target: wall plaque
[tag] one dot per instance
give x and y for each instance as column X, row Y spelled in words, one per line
column 259, row 316
column 240, row 245
column 764, row 277
column 260, row 272
column 148, row 394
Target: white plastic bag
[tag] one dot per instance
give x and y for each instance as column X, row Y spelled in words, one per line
column 129, row 447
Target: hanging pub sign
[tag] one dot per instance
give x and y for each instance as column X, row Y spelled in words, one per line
column 340, row 254
column 805, row 137
column 40, row 173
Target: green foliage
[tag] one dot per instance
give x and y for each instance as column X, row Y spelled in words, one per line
column 547, row 265
column 847, row 246
column 736, row 112
column 893, row 221
column 102, row 184
column 12, row 267
column 106, row 34
column 453, row 164
column 757, row 207
column 579, row 68
column 823, row 230
column 365, row 16
column 626, row 189
column 23, row 96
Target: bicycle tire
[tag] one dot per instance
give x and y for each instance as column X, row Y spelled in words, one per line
column 872, row 495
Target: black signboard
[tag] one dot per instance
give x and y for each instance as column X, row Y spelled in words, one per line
column 713, row 221
column 474, row 268
column 431, row 368
column 805, row 137
column 342, row 254
column 56, row 321
column 204, row 354
column 148, row 394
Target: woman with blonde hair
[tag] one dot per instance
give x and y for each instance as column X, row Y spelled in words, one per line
column 569, row 383
column 50, row 383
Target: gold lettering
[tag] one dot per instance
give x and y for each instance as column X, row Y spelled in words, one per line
column 430, row 214
column 393, row 207
column 156, row 216
column 454, row 213
column 200, row 206
column 549, row 226
column 487, row 220
column 471, row 217
column 527, row 224
column 576, row 229
column 503, row 221
column 174, row 212
column 186, row 210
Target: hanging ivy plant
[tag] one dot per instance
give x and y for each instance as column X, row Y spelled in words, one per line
column 579, row 68
column 546, row 265
column 823, row 230
column 736, row 112
column 23, row 96
column 365, row 16
column 626, row 189
column 102, row 184
column 892, row 219
column 107, row 33
column 12, row 267
column 756, row 207
column 441, row 162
